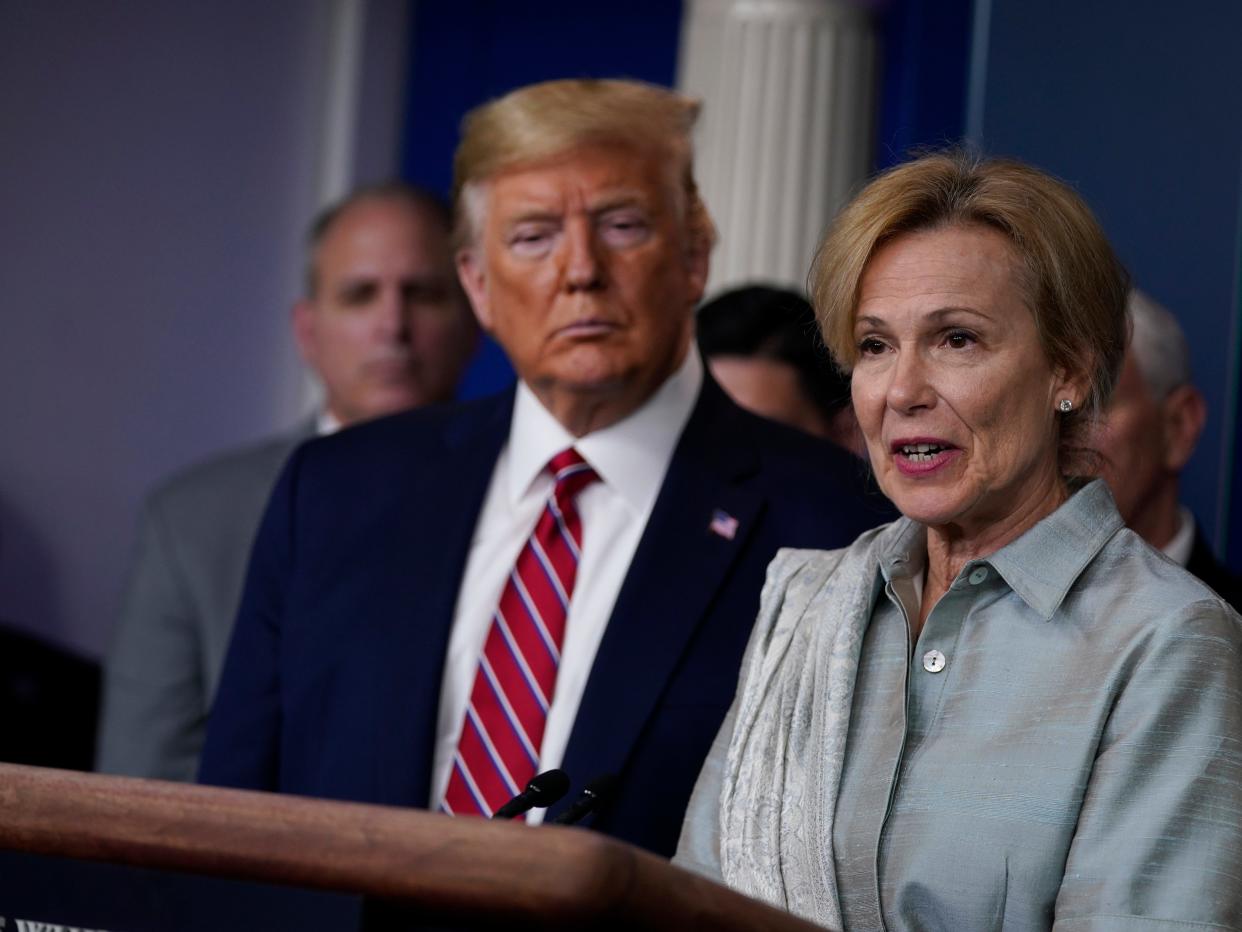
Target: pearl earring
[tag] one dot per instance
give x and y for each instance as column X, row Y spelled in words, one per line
column 1066, row 406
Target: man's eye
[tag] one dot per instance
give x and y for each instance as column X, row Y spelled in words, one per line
column 424, row 293
column 530, row 240
column 358, row 295
column 624, row 229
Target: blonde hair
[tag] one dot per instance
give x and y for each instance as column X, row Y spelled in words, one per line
column 541, row 122
column 1072, row 282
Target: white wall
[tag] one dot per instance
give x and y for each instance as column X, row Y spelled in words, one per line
column 158, row 165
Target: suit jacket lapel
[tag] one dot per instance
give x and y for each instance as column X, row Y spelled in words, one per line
column 458, row 481
column 432, row 544
column 678, row 567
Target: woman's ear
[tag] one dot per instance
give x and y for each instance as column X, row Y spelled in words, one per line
column 1074, row 387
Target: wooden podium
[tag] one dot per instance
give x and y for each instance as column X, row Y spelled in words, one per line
column 413, row 869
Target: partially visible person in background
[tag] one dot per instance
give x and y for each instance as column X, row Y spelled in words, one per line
column 1147, row 436
column 385, row 327
column 764, row 348
column 48, row 702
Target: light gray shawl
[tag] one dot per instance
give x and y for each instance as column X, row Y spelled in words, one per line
column 783, row 770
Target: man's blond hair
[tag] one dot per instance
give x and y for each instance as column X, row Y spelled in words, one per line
column 541, row 122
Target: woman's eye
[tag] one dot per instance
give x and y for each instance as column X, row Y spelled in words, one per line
column 870, row 347
column 959, row 339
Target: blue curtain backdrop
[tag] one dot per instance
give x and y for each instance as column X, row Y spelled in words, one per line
column 924, row 63
column 1139, row 106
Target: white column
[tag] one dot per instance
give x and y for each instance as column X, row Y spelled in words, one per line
column 340, row 108
column 358, row 138
column 788, row 90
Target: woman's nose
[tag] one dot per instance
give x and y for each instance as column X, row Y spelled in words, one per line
column 910, row 387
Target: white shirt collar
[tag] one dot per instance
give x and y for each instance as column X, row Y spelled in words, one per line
column 326, row 424
column 630, row 456
column 1178, row 549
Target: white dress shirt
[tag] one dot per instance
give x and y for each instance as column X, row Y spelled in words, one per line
column 631, row 458
column 1178, row 549
column 326, row 423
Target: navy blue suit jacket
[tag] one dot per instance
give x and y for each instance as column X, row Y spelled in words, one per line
column 332, row 682
column 1203, row 563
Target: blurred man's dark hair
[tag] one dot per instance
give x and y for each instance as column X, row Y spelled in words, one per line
column 761, row 342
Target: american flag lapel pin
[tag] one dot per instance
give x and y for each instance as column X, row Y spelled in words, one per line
column 723, row 524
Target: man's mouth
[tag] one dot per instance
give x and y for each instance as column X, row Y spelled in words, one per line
column 390, row 368
column 587, row 328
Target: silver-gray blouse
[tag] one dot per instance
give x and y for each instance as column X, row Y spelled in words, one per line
column 1062, row 748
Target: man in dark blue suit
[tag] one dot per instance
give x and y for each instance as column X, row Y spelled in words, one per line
column 364, row 649
column 1147, row 436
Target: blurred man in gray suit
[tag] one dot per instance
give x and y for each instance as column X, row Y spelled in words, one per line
column 1147, row 436
column 385, row 327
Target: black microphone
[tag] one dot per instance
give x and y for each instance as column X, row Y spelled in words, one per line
column 597, row 793
column 543, row 790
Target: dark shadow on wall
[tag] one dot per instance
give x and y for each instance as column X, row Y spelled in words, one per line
column 49, row 697
column 28, row 596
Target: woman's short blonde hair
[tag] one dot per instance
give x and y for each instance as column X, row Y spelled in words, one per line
column 541, row 122
column 1073, row 283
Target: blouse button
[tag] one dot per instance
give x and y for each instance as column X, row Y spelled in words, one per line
column 978, row 575
column 933, row 661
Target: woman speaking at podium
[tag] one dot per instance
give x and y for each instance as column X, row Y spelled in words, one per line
column 1003, row 710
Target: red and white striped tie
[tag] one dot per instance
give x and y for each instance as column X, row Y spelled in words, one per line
column 498, row 751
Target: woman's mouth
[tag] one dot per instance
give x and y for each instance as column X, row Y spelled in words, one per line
column 920, row 452
column 920, row 457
